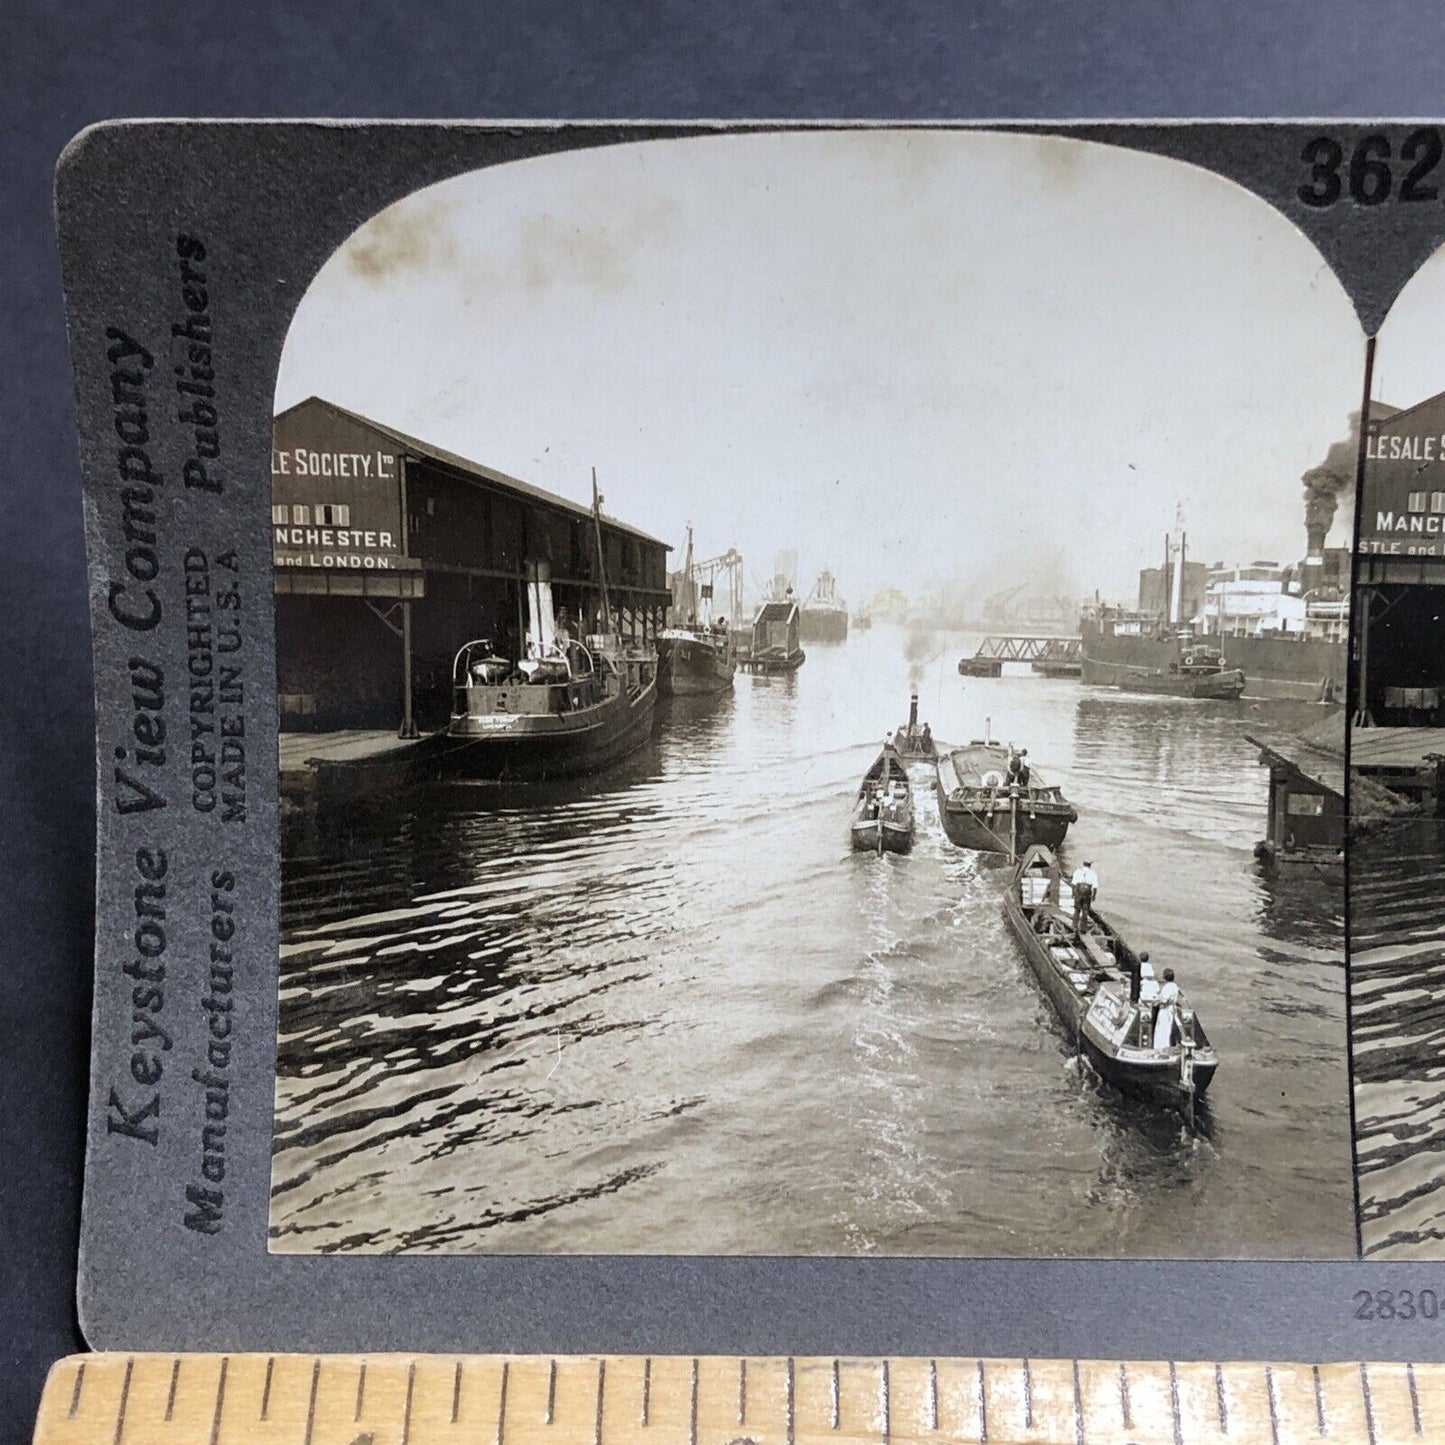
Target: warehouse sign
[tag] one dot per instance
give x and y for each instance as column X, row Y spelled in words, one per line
column 306, row 462
column 337, row 508
column 1403, row 506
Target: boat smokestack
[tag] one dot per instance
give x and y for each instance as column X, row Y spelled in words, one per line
column 1315, row 533
column 912, row 711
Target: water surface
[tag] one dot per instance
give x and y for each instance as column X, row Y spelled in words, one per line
column 672, row 1012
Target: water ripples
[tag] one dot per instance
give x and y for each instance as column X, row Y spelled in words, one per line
column 672, row 1012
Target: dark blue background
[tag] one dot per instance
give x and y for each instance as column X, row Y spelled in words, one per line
column 65, row 65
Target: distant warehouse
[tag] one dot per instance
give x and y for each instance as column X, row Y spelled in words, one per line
column 390, row 553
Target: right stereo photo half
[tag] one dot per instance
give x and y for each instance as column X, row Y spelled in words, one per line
column 1397, row 801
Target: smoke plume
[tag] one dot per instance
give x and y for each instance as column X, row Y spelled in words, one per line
column 1325, row 483
column 920, row 647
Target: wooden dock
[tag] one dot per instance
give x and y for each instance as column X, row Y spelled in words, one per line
column 352, row 761
column 1410, row 761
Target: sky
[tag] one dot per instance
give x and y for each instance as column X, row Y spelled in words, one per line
column 927, row 360
column 1410, row 353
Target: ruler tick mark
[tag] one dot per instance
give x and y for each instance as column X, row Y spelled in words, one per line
column 406, row 1413
column 1078, row 1408
column 1369, row 1401
column 1174, row 1404
column 171, row 1393
column 502, row 1405
column 266, row 1390
column 220, row 1399
column 360, row 1391
column 1414, row 1399
column 311, row 1405
column 1028, row 1396
column 124, row 1401
column 933, row 1394
column 1220, row 1399
column 792, row 1420
column 646, row 1391
column 692, row 1407
column 1273, row 1405
column 887, row 1403
column 1321, row 1424
column 601, row 1386
column 551, row 1391
column 742, row 1392
column 836, row 1418
column 982, row 1407
column 1124, row 1410
column 457, row 1393
column 75, row 1393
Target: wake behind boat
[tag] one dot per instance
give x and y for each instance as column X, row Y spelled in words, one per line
column 991, row 799
column 883, row 813
column 1144, row 1042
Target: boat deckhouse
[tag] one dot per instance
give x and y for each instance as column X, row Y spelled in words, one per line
column 391, row 553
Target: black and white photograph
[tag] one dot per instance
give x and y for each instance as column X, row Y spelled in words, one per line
column 1397, row 769
column 813, row 673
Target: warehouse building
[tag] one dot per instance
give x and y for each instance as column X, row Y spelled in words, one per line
column 1399, row 653
column 391, row 553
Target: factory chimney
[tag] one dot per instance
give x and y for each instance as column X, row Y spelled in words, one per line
column 912, row 712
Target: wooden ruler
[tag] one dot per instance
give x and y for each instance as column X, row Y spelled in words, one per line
column 115, row 1399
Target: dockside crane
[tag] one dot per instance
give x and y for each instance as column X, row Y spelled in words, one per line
column 705, row 580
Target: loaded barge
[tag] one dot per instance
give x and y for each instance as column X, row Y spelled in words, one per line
column 989, row 798
column 1145, row 1043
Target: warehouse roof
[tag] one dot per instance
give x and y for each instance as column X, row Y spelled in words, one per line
column 428, row 452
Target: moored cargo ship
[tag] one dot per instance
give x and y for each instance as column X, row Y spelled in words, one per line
column 823, row 617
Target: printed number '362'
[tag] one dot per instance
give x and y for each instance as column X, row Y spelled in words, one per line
column 1369, row 174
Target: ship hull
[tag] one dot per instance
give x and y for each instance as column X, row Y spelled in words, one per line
column 823, row 624
column 897, row 837
column 777, row 660
column 1273, row 667
column 533, row 749
column 991, row 832
column 687, row 668
column 1223, row 686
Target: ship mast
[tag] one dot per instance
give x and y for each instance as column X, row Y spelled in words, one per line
column 601, row 558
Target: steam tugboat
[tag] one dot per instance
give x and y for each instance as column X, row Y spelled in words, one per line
column 1135, row 655
column 564, row 708
column 991, row 799
column 1156, row 653
column 883, row 813
column 1099, row 987
column 914, row 743
column 696, row 656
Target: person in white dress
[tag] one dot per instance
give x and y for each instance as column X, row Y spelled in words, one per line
column 1168, row 1008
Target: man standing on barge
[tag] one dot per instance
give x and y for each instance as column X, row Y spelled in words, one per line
column 1085, row 884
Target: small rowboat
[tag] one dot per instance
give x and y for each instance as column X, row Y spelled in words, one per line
column 1093, row 980
column 883, row 814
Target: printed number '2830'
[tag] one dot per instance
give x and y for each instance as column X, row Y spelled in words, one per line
column 1371, row 172
column 1396, row 1304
